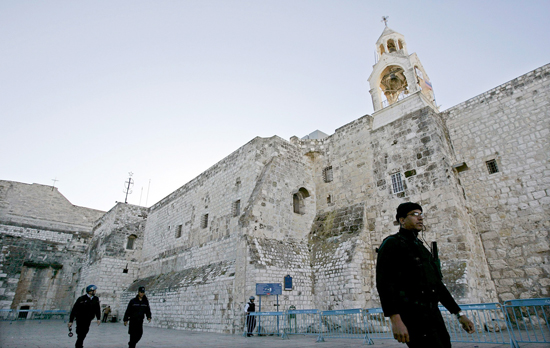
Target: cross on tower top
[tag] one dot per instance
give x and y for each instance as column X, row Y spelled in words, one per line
column 385, row 20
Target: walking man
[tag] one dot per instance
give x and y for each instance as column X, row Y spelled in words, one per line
column 410, row 285
column 137, row 309
column 84, row 310
column 250, row 320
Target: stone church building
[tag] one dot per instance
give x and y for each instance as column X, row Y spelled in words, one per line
column 314, row 208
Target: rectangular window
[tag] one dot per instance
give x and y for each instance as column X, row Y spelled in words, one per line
column 327, row 174
column 204, row 221
column 236, row 208
column 329, row 199
column 178, row 231
column 397, row 183
column 492, row 166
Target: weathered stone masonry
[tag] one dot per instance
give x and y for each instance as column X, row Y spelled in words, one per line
column 43, row 239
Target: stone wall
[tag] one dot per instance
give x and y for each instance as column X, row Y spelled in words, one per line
column 362, row 161
column 263, row 176
column 110, row 264
column 43, row 238
column 509, row 124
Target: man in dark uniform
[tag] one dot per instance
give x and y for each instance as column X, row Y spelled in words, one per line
column 84, row 310
column 137, row 309
column 410, row 285
column 250, row 320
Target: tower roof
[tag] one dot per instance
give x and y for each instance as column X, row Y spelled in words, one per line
column 387, row 31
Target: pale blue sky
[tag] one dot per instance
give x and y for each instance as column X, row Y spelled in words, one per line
column 92, row 90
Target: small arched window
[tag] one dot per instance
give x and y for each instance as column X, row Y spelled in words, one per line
column 298, row 202
column 382, row 50
column 130, row 242
column 400, row 43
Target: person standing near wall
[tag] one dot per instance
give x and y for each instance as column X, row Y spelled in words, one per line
column 137, row 309
column 106, row 313
column 409, row 282
column 250, row 320
column 84, row 310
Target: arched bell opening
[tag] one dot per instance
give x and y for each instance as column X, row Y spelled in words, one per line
column 391, row 46
column 393, row 84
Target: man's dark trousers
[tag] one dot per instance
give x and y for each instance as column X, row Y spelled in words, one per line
column 426, row 328
column 136, row 331
column 82, row 328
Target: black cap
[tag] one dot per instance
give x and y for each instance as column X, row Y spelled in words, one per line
column 141, row 289
column 405, row 208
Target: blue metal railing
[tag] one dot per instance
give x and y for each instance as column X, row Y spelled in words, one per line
column 489, row 321
column 515, row 321
column 302, row 322
column 264, row 324
column 345, row 323
column 528, row 320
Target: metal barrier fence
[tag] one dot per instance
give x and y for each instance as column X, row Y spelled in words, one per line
column 488, row 318
column 528, row 320
column 378, row 326
column 32, row 314
column 302, row 322
column 264, row 324
column 347, row 323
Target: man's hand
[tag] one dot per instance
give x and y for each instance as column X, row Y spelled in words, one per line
column 69, row 324
column 125, row 323
column 400, row 332
column 467, row 324
column 99, row 321
column 149, row 319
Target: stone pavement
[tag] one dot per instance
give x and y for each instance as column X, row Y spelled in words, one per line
column 53, row 334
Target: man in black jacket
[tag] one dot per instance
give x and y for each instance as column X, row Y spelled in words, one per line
column 250, row 307
column 84, row 310
column 137, row 309
column 410, row 285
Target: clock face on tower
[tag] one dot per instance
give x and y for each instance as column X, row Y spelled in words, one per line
column 393, row 83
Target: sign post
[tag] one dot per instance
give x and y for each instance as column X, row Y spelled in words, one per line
column 268, row 289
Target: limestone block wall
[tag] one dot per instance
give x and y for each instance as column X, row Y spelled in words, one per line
column 337, row 254
column 510, row 125
column 43, row 206
column 43, row 238
column 110, row 264
column 40, row 274
column 269, row 261
column 203, row 208
column 263, row 176
column 195, row 298
column 417, row 147
column 362, row 161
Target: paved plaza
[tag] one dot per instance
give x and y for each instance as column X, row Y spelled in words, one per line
column 53, row 334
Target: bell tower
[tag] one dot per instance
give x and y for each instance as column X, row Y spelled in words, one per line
column 397, row 76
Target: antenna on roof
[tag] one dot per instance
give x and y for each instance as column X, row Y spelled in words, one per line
column 127, row 188
column 54, row 180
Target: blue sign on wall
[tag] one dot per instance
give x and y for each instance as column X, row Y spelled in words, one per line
column 269, row 289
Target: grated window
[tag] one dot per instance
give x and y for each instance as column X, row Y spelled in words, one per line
column 327, row 174
column 236, row 208
column 397, row 183
column 178, row 231
column 204, row 221
column 492, row 166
